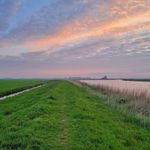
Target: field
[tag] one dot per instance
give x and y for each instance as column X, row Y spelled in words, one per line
column 65, row 116
column 11, row 86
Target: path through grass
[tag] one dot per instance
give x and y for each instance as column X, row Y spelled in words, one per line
column 63, row 116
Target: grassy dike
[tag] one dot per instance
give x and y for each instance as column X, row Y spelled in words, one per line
column 63, row 116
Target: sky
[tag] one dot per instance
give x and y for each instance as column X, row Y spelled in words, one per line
column 64, row 38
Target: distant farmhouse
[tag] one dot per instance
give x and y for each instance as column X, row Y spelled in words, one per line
column 105, row 78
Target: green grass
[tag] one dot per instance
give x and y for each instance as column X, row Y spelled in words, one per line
column 135, row 107
column 11, row 86
column 63, row 116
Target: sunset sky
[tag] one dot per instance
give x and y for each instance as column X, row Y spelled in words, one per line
column 62, row 38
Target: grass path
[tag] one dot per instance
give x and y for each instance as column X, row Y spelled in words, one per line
column 63, row 116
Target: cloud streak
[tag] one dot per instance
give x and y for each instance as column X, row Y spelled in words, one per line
column 77, row 31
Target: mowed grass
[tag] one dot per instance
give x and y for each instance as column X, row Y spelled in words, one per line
column 10, row 86
column 63, row 116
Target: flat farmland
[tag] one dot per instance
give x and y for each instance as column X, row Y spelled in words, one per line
column 11, row 86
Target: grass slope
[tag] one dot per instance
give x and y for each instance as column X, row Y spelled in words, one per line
column 63, row 116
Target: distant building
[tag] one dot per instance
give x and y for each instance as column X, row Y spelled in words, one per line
column 105, row 78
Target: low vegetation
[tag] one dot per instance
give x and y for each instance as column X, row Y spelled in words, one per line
column 12, row 86
column 64, row 116
column 142, row 80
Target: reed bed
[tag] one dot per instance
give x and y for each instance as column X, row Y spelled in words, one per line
column 127, row 96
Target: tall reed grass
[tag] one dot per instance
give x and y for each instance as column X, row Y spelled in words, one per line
column 130, row 98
